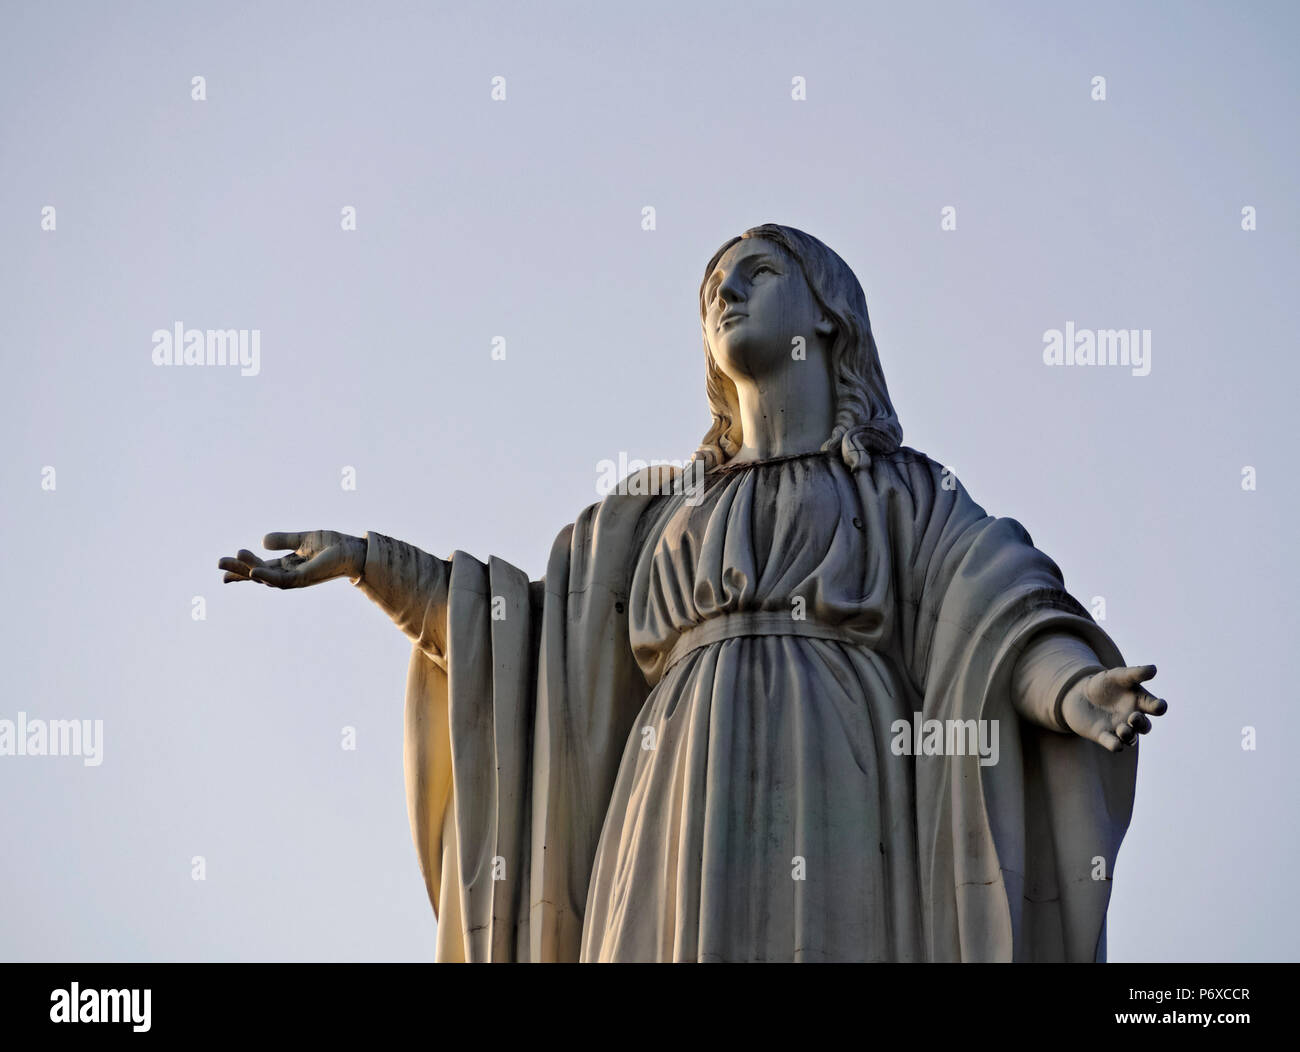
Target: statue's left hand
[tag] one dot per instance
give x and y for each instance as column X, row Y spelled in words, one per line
column 1112, row 708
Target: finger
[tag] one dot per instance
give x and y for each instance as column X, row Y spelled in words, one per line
column 232, row 577
column 279, row 573
column 1132, row 676
column 248, row 558
column 1149, row 703
column 274, row 542
column 1109, row 742
column 275, row 576
column 1139, row 723
column 233, row 566
column 1126, row 734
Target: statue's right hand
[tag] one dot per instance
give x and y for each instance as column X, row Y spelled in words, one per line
column 318, row 555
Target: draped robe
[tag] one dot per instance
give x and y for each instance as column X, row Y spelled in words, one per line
column 522, row 698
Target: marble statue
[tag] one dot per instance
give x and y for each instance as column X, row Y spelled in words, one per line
column 737, row 718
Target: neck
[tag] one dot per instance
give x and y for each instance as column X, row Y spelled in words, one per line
column 790, row 412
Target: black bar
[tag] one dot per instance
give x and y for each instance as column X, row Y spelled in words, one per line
column 584, row 1005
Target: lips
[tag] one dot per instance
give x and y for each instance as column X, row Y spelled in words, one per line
column 726, row 319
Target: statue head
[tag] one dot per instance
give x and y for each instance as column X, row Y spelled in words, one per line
column 826, row 307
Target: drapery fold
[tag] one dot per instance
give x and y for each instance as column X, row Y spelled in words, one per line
column 1010, row 853
column 514, row 728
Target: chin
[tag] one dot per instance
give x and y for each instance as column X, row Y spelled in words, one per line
column 751, row 359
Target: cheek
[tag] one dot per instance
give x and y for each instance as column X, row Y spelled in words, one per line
column 776, row 300
column 796, row 310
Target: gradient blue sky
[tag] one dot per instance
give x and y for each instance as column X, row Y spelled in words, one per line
column 522, row 219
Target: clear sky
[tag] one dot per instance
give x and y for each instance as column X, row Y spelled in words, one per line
column 522, row 219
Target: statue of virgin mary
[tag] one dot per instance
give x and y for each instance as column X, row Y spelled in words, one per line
column 686, row 741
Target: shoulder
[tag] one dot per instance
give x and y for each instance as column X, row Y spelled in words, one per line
column 652, row 480
column 631, row 496
column 910, row 467
column 928, row 485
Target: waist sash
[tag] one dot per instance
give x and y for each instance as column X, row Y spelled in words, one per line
column 751, row 623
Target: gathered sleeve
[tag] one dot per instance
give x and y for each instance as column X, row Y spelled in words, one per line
column 411, row 586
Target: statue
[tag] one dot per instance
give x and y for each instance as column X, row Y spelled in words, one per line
column 737, row 719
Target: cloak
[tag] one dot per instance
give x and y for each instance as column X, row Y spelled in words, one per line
column 521, row 696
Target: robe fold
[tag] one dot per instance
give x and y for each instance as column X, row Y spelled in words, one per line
column 526, row 701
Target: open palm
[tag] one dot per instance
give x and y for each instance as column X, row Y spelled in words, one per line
column 316, row 556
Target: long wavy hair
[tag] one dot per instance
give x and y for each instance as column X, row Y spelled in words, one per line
column 865, row 421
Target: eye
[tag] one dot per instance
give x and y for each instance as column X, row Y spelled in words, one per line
column 762, row 267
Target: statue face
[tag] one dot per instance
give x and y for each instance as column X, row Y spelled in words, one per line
column 757, row 302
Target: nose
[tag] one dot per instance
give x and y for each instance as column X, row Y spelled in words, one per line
column 729, row 288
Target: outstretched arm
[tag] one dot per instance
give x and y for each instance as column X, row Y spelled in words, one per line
column 1060, row 683
column 409, row 584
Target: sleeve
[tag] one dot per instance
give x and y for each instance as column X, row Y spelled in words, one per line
column 1049, row 666
column 410, row 586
